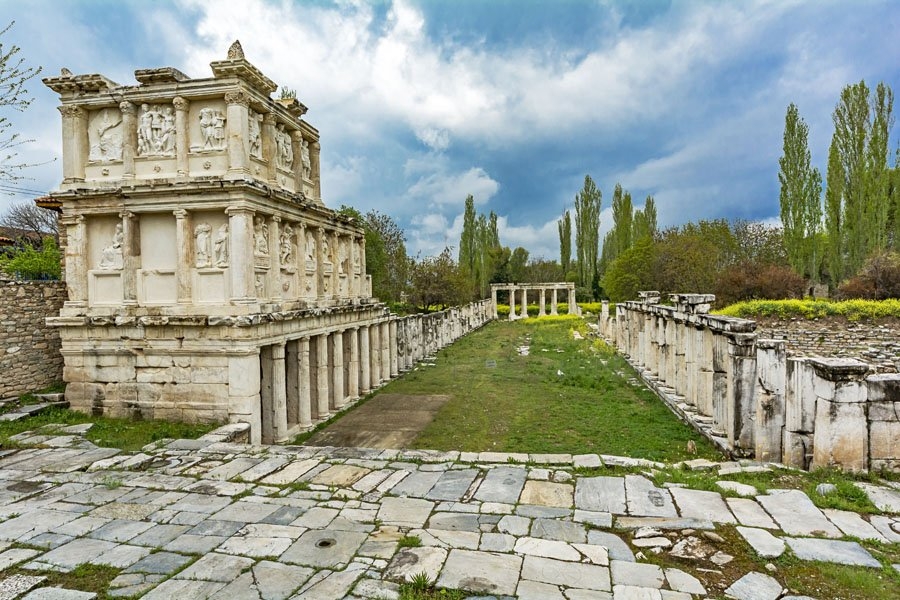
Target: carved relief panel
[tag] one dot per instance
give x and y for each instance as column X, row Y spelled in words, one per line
column 156, row 130
column 105, row 135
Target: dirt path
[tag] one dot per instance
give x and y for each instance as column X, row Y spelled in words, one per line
column 386, row 421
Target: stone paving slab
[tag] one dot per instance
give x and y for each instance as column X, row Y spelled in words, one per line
column 223, row 512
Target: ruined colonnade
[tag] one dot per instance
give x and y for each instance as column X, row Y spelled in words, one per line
column 541, row 288
column 749, row 398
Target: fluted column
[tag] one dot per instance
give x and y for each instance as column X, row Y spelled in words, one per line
column 237, row 115
column 353, row 366
column 269, row 147
column 322, row 376
column 385, row 338
column 279, row 393
column 553, row 309
column 240, row 255
column 494, row 301
column 543, row 293
column 130, row 257
column 129, row 138
column 75, row 144
column 365, row 361
column 304, row 413
column 335, row 265
column 292, row 379
column 395, row 359
column 364, row 290
column 573, row 307
column 512, row 303
column 184, row 242
column 524, row 303
column 181, row 135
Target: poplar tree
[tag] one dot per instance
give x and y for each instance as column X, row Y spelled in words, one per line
column 878, row 174
column 565, row 241
column 468, row 245
column 644, row 223
column 623, row 216
column 800, row 196
column 587, row 230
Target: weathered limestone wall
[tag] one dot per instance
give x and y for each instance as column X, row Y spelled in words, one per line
column 877, row 344
column 29, row 349
column 751, row 399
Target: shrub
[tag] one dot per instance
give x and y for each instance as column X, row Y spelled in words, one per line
column 853, row 310
column 879, row 279
column 750, row 281
column 28, row 263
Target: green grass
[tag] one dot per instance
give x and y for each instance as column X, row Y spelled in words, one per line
column 420, row 588
column 852, row 310
column 85, row 577
column 409, row 541
column 501, row 401
column 113, row 433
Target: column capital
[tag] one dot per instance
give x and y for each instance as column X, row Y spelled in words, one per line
column 237, row 210
column 297, row 136
column 276, row 219
column 269, row 118
column 180, row 213
column 126, row 214
column 180, row 103
column 239, row 97
column 71, row 111
column 127, row 108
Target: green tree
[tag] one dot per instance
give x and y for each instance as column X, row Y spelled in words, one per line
column 644, row 223
column 878, row 172
column 834, row 217
column 565, row 241
column 632, row 271
column 623, row 216
column 26, row 262
column 518, row 261
column 14, row 74
column 800, row 196
column 437, row 282
column 468, row 243
column 587, row 231
column 386, row 258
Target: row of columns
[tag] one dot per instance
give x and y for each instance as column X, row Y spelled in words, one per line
column 75, row 138
column 521, row 311
column 419, row 336
column 241, row 259
column 306, row 380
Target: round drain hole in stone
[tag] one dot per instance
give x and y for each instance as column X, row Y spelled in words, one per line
column 325, row 543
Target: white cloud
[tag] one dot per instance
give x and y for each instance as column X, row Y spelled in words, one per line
column 442, row 187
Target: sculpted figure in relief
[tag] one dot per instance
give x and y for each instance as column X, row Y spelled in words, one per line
column 212, row 129
column 343, row 257
column 304, row 158
column 285, row 151
column 287, row 245
column 260, row 237
column 202, row 242
column 106, row 143
column 220, row 245
column 111, row 256
column 255, row 139
column 156, row 132
column 310, row 247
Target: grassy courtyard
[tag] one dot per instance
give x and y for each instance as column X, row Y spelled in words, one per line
column 563, row 395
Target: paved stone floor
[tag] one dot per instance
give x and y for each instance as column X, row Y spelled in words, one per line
column 213, row 519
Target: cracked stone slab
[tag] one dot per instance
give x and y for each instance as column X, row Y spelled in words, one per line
column 408, row 562
column 15, row 586
column 405, row 512
column 481, row 572
column 501, row 484
column 557, row 572
column 755, row 586
column 635, row 573
column 617, row 548
column 700, row 504
column 216, row 567
column 324, row 548
column 554, row 529
column 833, row 551
column 750, row 514
column 763, row 543
column 545, row 493
column 547, row 549
column 600, row 494
column 853, row 524
column 646, row 500
column 452, row 485
column 796, row 514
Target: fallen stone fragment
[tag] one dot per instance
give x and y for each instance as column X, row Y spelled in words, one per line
column 755, row 586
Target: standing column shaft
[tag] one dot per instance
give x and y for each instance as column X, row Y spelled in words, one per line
column 494, row 301
column 183, row 242
column 524, row 303
column 353, row 367
column 303, row 374
column 237, row 106
column 279, row 393
column 375, row 353
column 129, row 137
column 512, row 303
column 553, row 296
column 240, row 254
column 322, row 375
column 181, row 137
column 365, row 360
column 75, row 253
column 395, row 359
column 542, row 292
column 337, row 369
column 269, row 147
column 385, row 335
column 320, row 263
column 131, row 253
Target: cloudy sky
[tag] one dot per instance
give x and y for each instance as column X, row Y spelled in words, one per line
column 420, row 103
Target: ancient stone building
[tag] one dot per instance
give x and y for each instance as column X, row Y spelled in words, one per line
column 206, row 279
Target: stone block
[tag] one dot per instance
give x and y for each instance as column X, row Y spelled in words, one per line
column 884, row 440
column 243, row 375
column 883, row 388
column 841, row 436
column 884, row 411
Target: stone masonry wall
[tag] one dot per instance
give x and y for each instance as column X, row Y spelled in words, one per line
column 877, row 344
column 29, row 349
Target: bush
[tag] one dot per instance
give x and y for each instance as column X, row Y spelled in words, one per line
column 853, row 310
column 28, row 263
column 751, row 281
column 879, row 279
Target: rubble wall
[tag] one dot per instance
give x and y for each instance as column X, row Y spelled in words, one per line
column 29, row 349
